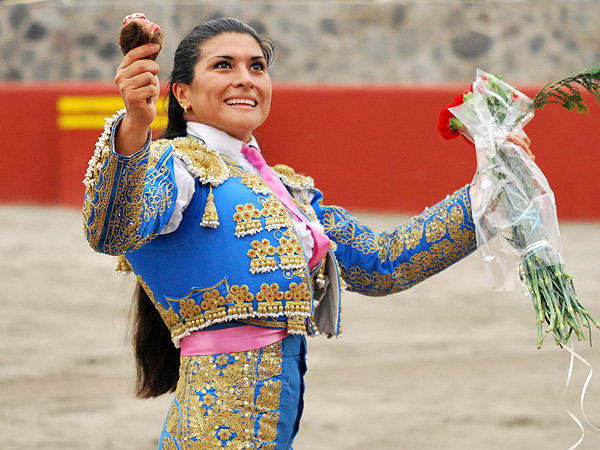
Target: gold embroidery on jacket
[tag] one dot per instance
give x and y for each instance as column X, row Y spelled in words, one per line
column 299, row 272
column 99, row 180
column 455, row 218
column 343, row 230
column 212, row 308
column 293, row 180
column 383, row 242
column 290, row 253
column 248, row 179
column 159, row 192
column 423, row 265
column 203, row 163
column 261, row 255
column 169, row 316
column 390, row 245
column 168, row 443
column 213, row 304
column 248, row 220
column 143, row 192
column 202, row 308
column 242, row 299
column 435, row 228
column 297, row 324
column 396, row 246
column 442, row 226
column 216, row 394
column 276, row 215
column 270, row 300
column 255, row 183
column 413, row 235
column 298, row 299
column 371, row 282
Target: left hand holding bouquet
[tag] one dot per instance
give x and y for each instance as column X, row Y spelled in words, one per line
column 522, row 141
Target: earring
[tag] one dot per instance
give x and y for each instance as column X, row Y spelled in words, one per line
column 185, row 109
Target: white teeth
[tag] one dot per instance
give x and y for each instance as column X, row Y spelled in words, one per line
column 244, row 101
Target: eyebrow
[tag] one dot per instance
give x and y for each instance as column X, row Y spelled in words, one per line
column 231, row 58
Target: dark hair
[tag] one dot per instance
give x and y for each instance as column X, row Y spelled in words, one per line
column 188, row 54
column 157, row 359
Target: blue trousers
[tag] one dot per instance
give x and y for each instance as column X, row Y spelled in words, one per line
column 242, row 400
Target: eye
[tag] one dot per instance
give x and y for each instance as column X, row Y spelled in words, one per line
column 223, row 64
column 258, row 65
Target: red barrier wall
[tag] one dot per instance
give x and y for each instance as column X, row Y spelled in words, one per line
column 368, row 147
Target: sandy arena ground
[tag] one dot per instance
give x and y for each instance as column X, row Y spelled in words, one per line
column 446, row 365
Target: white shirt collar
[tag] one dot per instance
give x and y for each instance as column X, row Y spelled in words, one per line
column 222, row 142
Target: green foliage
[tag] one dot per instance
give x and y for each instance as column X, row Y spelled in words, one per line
column 567, row 92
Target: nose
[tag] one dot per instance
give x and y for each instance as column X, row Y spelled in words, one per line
column 243, row 78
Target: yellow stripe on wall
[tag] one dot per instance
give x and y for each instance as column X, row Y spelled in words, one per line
column 89, row 112
column 96, row 122
column 69, row 104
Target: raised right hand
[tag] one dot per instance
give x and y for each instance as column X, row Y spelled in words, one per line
column 137, row 81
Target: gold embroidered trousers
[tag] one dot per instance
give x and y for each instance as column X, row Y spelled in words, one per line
column 242, row 400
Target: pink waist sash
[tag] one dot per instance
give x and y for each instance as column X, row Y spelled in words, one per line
column 229, row 340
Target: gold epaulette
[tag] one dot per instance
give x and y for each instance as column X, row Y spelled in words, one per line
column 292, row 179
column 202, row 162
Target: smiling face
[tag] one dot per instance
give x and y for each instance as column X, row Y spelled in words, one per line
column 231, row 89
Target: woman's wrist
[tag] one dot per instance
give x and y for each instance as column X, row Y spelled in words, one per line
column 130, row 137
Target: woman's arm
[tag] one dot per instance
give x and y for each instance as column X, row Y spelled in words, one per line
column 130, row 183
column 389, row 262
column 128, row 199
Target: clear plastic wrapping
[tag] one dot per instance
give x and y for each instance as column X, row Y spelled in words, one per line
column 513, row 206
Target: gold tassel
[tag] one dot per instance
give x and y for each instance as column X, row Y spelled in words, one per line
column 123, row 265
column 321, row 274
column 210, row 218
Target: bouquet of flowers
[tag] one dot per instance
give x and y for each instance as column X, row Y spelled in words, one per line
column 513, row 205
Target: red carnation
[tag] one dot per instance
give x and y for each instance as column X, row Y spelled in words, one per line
column 449, row 126
column 444, row 125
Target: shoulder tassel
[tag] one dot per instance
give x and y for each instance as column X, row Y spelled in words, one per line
column 122, row 265
column 210, row 218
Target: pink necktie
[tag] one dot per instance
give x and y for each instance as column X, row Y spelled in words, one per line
column 321, row 241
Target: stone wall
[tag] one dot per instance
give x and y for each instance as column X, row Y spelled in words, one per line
column 395, row 41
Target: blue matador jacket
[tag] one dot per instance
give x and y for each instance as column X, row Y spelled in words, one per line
column 236, row 257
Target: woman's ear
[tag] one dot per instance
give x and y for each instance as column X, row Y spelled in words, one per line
column 180, row 91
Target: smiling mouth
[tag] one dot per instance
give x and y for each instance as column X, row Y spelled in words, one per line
column 241, row 101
